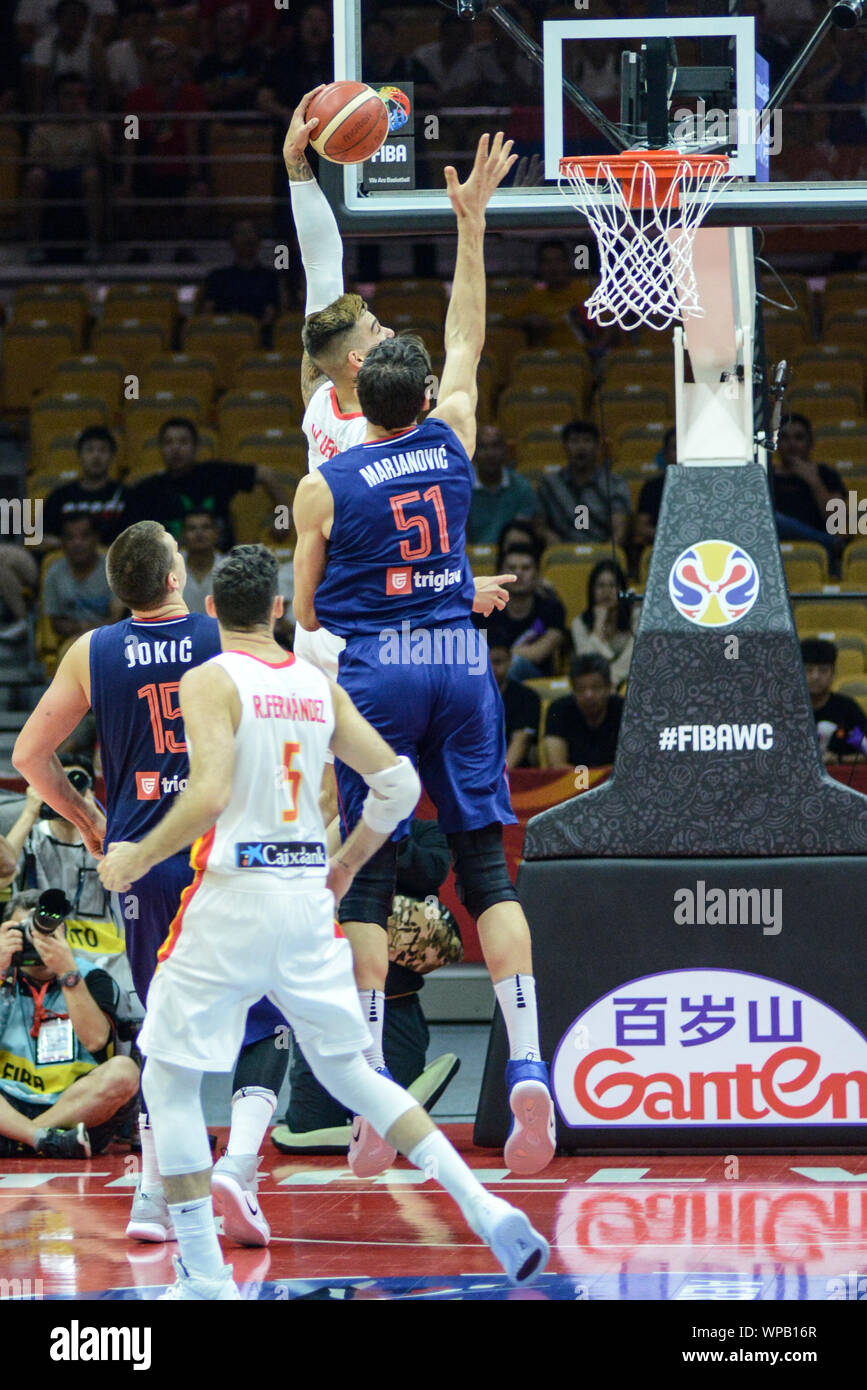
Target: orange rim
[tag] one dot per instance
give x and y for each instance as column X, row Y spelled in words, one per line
column 626, row 168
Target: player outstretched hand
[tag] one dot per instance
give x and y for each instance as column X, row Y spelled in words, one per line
column 493, row 161
column 300, row 129
column 122, row 865
column 490, row 593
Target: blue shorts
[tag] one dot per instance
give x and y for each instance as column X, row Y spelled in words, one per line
column 445, row 715
column 146, row 913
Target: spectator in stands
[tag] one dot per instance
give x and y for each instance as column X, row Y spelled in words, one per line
column 532, row 624
column 19, row 584
column 605, row 626
column 258, row 18
column 127, row 58
column 499, row 493
column 522, row 709
column 75, row 592
column 581, row 729
column 650, row 496
column 245, row 286
column 524, row 535
column 67, row 159
column 169, row 146
column 36, row 19
column 70, row 49
column 299, row 63
column 456, row 67
column 93, row 493
column 552, row 314
column 801, row 488
column 229, row 72
column 186, row 486
column 383, row 62
column 199, row 535
column 583, row 502
column 841, row 724
column 60, row 1013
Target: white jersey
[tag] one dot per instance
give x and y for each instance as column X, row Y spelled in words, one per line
column 271, row 835
column 327, row 429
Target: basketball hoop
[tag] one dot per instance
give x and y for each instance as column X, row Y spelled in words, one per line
column 645, row 207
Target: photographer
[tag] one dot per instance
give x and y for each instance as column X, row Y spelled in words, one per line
column 63, row 1091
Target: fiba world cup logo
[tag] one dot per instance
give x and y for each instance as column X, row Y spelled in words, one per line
column 397, row 104
column 713, row 583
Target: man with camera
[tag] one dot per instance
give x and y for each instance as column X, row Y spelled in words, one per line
column 63, row 1090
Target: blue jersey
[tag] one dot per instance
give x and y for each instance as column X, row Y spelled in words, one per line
column 135, row 670
column 396, row 551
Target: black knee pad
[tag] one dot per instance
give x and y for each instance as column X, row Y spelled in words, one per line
column 480, row 868
column 370, row 895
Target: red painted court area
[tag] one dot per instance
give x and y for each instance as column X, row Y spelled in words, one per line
column 656, row 1228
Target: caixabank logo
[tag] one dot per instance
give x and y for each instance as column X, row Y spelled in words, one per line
column 713, row 583
column 720, row 1047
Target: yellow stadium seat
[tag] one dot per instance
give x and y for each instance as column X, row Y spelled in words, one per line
column 820, row 372
column 841, row 446
column 569, row 581
column 31, row 352
column 143, row 418
column 226, row 337
column 844, row 294
column 538, row 455
column 287, row 334
column 828, row 614
column 588, row 554
column 241, row 167
column 539, row 406
column 808, row 556
column 67, row 308
column 132, row 340
column 283, row 450
column 251, row 513
column 392, row 306
column 248, row 412
column 184, row 375
column 503, row 343
column 802, row 576
column 64, row 414
column 149, row 303
column 556, row 376
column 850, row 662
column 482, row 558
column 797, row 286
column 783, row 338
column 91, row 376
column 46, row 640
column 633, row 403
column 848, row 328
column 855, row 572
column 269, row 371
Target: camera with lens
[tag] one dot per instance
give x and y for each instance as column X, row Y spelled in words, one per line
column 80, row 779
column 49, row 913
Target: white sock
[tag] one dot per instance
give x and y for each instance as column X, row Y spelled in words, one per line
column 252, row 1108
column 372, row 1003
column 197, row 1237
column 437, row 1159
column 517, row 998
column 150, row 1173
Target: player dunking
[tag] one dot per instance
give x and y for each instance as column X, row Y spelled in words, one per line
column 380, row 551
column 260, row 916
column 129, row 674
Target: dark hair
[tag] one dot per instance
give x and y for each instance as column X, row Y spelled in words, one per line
column 245, row 586
column 590, row 664
column 518, row 549
column 178, row 422
column 669, row 434
column 818, row 651
column 137, row 565
column 793, row 418
column 65, row 79
column 200, row 511
column 26, row 899
column 611, row 567
column 75, row 518
column 96, row 432
column 579, row 427
column 532, row 540
column 393, row 380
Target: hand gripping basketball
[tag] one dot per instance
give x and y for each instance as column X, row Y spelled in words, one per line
column 300, row 129
column 492, row 163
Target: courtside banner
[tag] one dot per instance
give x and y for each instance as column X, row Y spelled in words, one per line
column 710, row 1047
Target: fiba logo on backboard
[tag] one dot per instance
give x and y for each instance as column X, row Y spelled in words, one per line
column 713, row 583
column 398, row 105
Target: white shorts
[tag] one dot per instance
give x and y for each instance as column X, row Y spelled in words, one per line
column 320, row 648
column 233, row 947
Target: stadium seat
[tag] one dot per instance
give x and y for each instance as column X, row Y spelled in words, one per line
column 850, row 662
column 149, row 303
column 582, row 555
column 569, row 581
column 55, row 305
column 848, row 328
column 225, row 337
column 91, row 376
column 503, row 343
column 798, row 286
column 392, row 305
column 241, row 168
column 539, row 406
column 482, row 558
column 828, row 614
column 270, row 371
column 247, row 412
column 143, row 418
column 31, row 352
column 252, row 513
column 557, row 372
column 287, row 334
column 809, row 555
column 817, row 369
column 47, row 642
column 283, row 450
column 184, row 375
column 632, row 406
column 841, row 445
column 64, row 414
column 133, row 340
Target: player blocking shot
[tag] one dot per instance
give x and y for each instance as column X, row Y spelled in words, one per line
column 259, row 917
column 381, row 562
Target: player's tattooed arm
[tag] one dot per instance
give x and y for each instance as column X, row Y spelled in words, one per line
column 297, row 136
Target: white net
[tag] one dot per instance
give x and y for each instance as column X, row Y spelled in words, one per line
column 645, row 230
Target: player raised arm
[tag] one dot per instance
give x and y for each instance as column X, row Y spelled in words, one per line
column 211, row 712
column 465, row 320
column 316, row 228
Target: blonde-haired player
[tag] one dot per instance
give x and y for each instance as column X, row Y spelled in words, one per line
column 259, row 917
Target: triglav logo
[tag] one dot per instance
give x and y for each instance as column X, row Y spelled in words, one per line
column 147, row 786
column 713, row 583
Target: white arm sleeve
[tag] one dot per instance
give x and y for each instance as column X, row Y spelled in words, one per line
column 399, row 789
column 320, row 242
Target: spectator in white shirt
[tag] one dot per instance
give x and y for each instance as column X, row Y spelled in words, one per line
column 199, row 535
column 127, row 57
column 605, row 626
column 70, row 49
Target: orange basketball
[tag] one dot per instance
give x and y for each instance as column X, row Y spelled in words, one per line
column 353, row 122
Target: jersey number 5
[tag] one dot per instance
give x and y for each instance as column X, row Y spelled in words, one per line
column 293, row 777
column 162, row 706
column 408, row 551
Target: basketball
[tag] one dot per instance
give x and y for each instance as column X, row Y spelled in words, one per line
column 353, row 122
